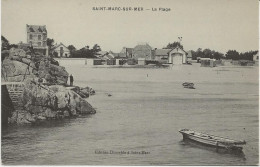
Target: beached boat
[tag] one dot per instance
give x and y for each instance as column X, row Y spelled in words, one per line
column 213, row 141
column 188, row 85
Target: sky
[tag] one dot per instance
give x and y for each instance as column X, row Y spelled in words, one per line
column 219, row 25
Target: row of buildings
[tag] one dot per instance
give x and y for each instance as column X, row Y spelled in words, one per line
column 145, row 52
column 37, row 37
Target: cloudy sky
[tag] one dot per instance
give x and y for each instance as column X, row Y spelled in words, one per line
column 216, row 24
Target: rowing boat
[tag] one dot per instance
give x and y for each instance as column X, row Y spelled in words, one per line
column 211, row 140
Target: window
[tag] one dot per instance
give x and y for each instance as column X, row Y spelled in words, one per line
column 44, row 43
column 39, row 43
column 31, row 36
column 39, row 37
column 44, row 37
column 257, row 57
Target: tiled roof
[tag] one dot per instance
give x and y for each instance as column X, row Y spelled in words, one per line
column 109, row 56
column 118, row 55
column 61, row 44
column 36, row 28
column 102, row 52
column 143, row 47
column 162, row 52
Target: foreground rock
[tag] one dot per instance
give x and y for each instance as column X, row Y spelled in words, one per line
column 45, row 95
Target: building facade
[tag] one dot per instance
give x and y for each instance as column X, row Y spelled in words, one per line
column 256, row 57
column 127, row 52
column 37, row 37
column 60, row 50
column 177, row 56
column 161, row 55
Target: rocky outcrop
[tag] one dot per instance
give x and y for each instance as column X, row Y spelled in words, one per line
column 6, row 106
column 45, row 95
column 84, row 92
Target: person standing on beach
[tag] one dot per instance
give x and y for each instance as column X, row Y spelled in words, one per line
column 71, row 80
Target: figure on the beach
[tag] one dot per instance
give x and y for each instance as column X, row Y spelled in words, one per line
column 71, row 80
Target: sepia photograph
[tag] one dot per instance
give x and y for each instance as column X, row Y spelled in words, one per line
column 130, row 83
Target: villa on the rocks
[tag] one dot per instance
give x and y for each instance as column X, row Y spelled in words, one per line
column 37, row 37
column 60, row 50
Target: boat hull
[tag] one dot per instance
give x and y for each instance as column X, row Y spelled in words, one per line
column 209, row 143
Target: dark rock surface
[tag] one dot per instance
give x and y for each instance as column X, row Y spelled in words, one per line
column 45, row 95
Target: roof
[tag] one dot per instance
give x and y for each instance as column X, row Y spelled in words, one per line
column 180, row 48
column 142, row 47
column 109, row 56
column 102, row 52
column 162, row 52
column 122, row 55
column 57, row 45
column 36, row 28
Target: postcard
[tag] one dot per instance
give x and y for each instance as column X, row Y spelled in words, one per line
column 116, row 82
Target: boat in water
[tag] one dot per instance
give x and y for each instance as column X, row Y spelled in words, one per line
column 212, row 141
column 188, row 85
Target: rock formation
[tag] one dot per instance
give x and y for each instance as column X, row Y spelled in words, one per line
column 45, row 93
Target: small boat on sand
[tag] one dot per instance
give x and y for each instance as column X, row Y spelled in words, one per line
column 188, row 85
column 213, row 141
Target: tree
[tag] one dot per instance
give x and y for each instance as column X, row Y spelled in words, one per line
column 173, row 45
column 232, row 54
column 96, row 48
column 207, row 53
column 84, row 52
column 218, row 55
column 247, row 55
column 199, row 52
column 72, row 49
column 50, row 43
column 55, row 54
column 194, row 55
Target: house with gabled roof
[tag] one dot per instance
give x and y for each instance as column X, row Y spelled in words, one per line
column 172, row 56
column 177, row 56
column 161, row 55
column 37, row 38
column 127, row 52
column 60, row 50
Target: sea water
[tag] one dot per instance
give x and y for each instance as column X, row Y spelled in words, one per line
column 139, row 123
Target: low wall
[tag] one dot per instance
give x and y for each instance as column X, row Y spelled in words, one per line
column 71, row 61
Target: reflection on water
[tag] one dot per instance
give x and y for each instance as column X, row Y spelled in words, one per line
column 145, row 114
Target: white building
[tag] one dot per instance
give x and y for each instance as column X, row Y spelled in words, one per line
column 177, row 56
column 60, row 50
column 256, row 57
